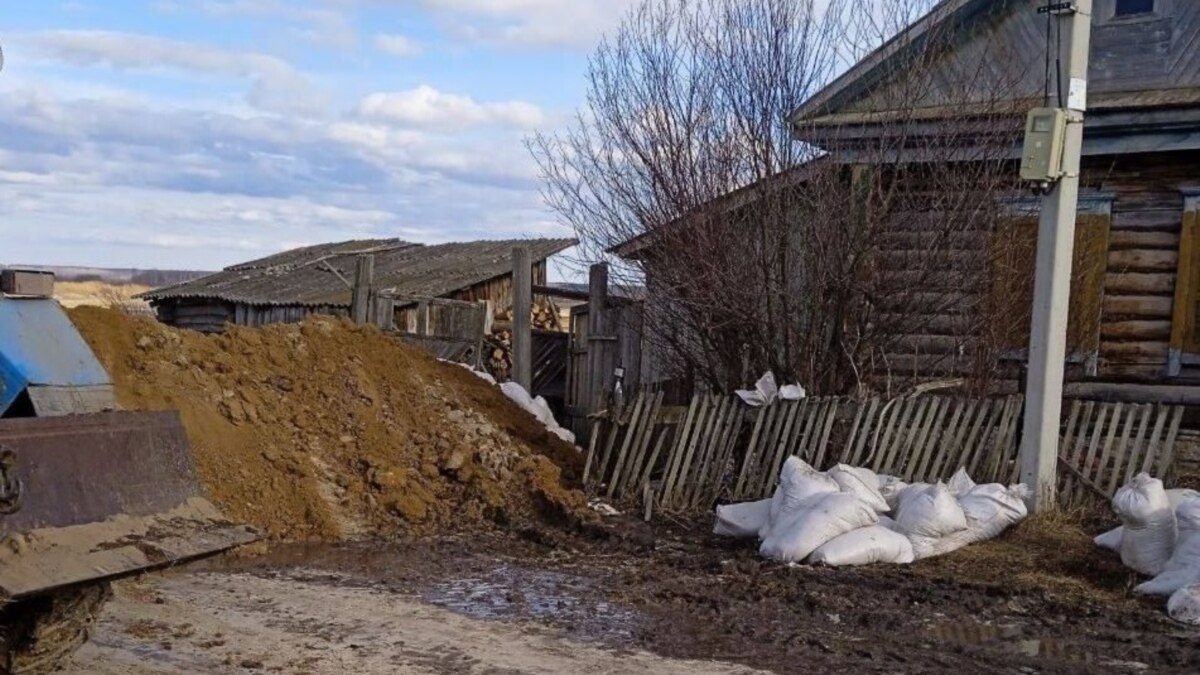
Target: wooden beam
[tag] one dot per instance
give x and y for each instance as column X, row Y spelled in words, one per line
column 597, row 362
column 360, row 296
column 1183, row 319
column 1110, row 392
column 522, row 340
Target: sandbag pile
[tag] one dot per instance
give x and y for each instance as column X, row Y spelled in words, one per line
column 1160, row 537
column 838, row 517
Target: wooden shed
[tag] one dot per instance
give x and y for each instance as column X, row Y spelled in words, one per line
column 289, row 286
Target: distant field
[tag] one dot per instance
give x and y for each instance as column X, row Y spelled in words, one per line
column 101, row 294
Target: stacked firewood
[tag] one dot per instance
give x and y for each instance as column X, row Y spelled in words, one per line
column 498, row 352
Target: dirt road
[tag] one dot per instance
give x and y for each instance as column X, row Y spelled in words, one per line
column 674, row 601
column 219, row 622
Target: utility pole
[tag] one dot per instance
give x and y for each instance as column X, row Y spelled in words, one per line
column 1055, row 252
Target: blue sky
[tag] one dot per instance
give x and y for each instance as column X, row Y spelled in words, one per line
column 199, row 133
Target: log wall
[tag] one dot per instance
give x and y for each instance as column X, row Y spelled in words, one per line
column 1137, row 201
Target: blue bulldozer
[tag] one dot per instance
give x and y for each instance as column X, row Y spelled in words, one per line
column 88, row 493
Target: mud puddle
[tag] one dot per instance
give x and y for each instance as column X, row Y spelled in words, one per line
column 476, row 586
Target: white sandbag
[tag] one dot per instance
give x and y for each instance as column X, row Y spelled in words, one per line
column 742, row 520
column 797, row 482
column 891, row 488
column 818, row 521
column 1150, row 530
column 763, row 394
column 792, row 392
column 890, row 523
column 861, row 483
column 1183, row 569
column 1184, row 605
column 1111, row 540
column 865, row 546
column 992, row 509
column 930, row 512
column 960, row 483
column 989, row 509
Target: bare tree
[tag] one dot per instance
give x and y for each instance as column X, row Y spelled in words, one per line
column 827, row 260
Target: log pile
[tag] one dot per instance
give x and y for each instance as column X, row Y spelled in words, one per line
column 498, row 349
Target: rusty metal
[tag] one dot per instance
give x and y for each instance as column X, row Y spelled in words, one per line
column 102, row 496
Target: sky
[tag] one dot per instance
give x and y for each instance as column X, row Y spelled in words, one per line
column 194, row 134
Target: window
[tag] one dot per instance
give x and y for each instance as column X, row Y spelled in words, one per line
column 1131, row 7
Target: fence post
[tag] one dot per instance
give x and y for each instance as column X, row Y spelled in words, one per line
column 597, row 361
column 360, row 295
column 522, row 339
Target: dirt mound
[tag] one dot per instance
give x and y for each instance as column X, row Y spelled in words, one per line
column 327, row 430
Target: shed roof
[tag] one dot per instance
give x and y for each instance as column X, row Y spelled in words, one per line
column 310, row 276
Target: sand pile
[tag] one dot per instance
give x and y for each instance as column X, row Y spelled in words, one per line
column 327, row 430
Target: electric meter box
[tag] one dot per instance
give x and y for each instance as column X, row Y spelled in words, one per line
column 1045, row 138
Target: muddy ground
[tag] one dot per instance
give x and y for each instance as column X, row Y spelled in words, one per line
column 628, row 598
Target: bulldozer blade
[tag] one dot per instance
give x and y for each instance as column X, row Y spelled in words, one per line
column 97, row 497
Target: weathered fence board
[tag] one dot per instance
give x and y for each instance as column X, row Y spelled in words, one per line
column 686, row 459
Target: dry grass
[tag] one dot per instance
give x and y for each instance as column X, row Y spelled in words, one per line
column 100, row 294
column 1050, row 552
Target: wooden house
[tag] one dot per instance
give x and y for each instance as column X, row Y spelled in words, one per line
column 289, row 286
column 1135, row 333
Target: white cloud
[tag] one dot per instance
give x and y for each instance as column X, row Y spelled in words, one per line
column 328, row 27
column 428, row 108
column 275, row 85
column 575, row 24
column 398, row 45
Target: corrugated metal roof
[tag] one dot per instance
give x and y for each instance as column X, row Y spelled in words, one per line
column 307, row 276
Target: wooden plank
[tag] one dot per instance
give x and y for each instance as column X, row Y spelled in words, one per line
column 810, row 412
column 941, row 458
column 1153, row 445
column 764, row 479
column 1075, row 452
column 986, row 419
column 1096, row 476
column 923, row 447
column 683, row 432
column 658, row 446
column 781, row 447
column 708, row 446
column 1102, row 419
column 1135, row 448
column 748, row 461
column 1166, row 464
column 960, row 452
column 522, row 303
column 905, row 449
column 653, row 421
column 823, row 445
column 881, row 440
column 703, row 422
column 360, row 295
column 1122, row 450
column 630, row 433
column 632, row 468
column 857, row 433
column 996, row 455
column 591, row 452
column 710, row 478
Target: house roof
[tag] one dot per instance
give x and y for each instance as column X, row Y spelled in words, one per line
column 868, row 72
column 310, row 276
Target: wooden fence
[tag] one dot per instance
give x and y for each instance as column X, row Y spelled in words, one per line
column 685, row 459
